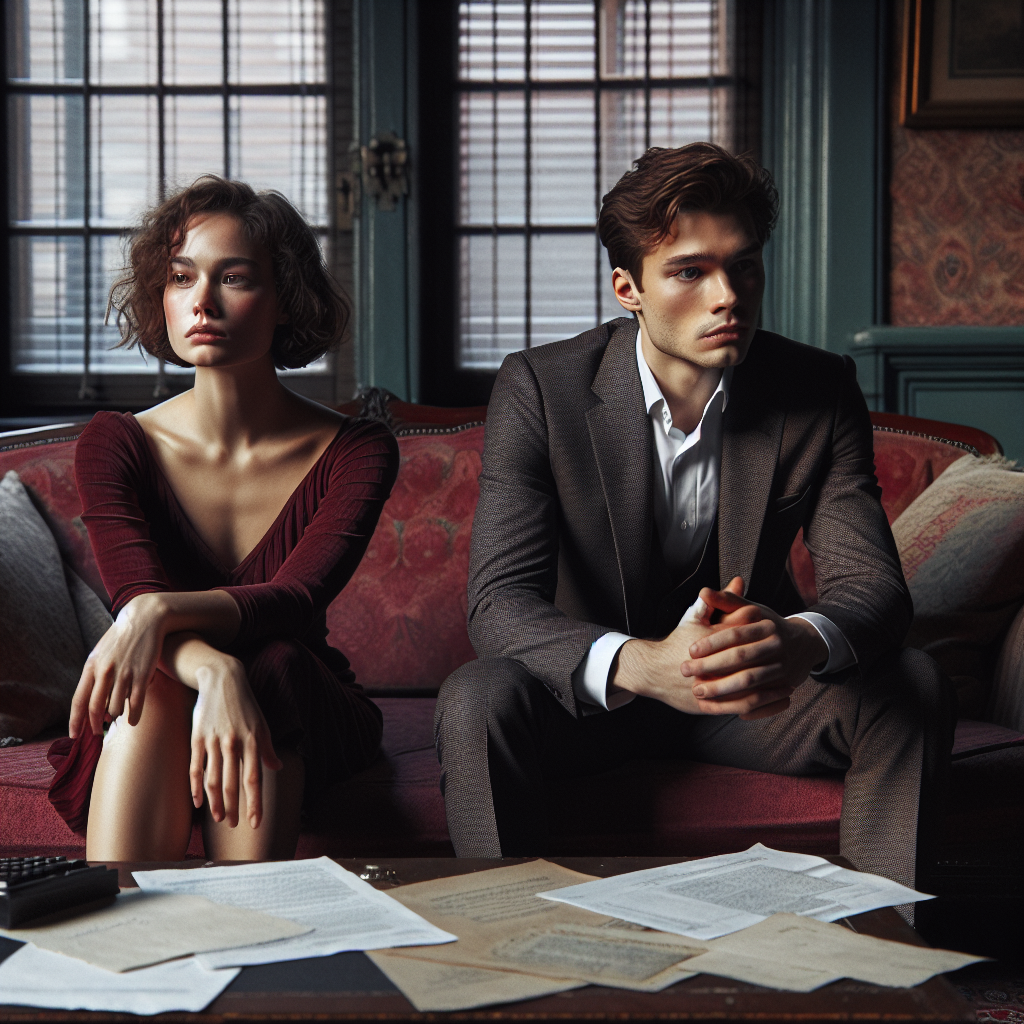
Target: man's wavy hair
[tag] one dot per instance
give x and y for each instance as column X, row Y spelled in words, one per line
column 317, row 312
column 638, row 213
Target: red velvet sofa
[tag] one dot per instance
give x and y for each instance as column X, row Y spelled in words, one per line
column 402, row 623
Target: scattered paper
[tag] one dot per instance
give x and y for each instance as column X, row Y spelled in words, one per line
column 37, row 977
column 434, row 987
column 503, row 926
column 642, row 961
column 718, row 895
column 801, row 954
column 139, row 928
column 346, row 912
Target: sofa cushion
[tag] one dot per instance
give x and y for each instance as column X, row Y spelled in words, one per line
column 49, row 619
column 961, row 543
column 401, row 620
column 395, row 808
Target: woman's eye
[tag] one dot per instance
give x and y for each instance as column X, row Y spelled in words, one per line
column 233, row 279
column 179, row 278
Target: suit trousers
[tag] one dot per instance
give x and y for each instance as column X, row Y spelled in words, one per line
column 501, row 736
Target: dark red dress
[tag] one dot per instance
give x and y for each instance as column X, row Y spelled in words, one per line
column 144, row 542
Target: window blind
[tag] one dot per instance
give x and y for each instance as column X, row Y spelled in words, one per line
column 556, row 99
column 114, row 103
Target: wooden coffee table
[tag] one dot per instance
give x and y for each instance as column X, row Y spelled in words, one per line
column 348, row 987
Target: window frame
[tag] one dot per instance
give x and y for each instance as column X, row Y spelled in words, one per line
column 442, row 380
column 44, row 396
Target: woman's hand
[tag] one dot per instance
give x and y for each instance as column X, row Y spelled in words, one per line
column 120, row 666
column 228, row 730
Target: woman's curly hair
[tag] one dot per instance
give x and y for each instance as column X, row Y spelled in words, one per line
column 316, row 310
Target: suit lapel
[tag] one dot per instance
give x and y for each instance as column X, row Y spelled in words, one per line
column 621, row 438
column 751, row 441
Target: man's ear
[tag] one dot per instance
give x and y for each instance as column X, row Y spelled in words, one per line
column 626, row 290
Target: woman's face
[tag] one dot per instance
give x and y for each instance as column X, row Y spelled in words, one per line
column 219, row 301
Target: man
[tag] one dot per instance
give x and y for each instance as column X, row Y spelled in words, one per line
column 651, row 460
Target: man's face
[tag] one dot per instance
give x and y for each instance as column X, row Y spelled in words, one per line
column 702, row 289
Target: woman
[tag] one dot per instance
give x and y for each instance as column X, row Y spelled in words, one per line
column 224, row 522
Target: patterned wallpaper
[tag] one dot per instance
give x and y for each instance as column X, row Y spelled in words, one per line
column 957, row 227
column 957, row 224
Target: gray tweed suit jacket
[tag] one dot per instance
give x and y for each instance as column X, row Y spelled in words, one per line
column 562, row 538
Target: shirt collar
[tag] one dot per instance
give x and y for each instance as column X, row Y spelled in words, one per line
column 653, row 395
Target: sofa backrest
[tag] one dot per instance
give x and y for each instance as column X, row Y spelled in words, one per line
column 401, row 620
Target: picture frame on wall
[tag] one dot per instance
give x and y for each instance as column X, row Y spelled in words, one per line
column 963, row 64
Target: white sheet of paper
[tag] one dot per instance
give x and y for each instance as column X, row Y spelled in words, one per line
column 438, row 988
column 346, row 912
column 718, row 895
column 801, row 954
column 142, row 928
column 37, row 977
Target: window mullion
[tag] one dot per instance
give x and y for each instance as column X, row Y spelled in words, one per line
column 528, row 151
column 86, row 390
column 226, row 101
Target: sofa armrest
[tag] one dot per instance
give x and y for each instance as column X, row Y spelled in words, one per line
column 1006, row 703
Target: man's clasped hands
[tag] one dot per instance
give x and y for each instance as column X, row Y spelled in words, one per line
column 727, row 656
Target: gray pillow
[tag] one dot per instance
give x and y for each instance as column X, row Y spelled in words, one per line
column 49, row 619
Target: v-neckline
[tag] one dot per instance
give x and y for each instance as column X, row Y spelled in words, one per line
column 211, row 556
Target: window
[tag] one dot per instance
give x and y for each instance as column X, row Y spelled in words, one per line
column 111, row 104
column 552, row 100
column 556, row 98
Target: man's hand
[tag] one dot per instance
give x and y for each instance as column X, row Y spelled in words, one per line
column 653, row 668
column 746, row 660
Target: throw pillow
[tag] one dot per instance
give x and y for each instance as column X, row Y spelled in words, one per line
column 42, row 648
column 961, row 542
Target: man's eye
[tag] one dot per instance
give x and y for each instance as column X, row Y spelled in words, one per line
column 689, row 273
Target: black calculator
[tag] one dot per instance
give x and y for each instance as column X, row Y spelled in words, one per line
column 33, row 886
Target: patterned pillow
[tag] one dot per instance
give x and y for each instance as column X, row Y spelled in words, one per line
column 961, row 542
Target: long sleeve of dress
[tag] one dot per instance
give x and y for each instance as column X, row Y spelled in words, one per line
column 111, row 477
column 142, row 540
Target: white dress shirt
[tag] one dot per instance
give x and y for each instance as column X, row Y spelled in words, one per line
column 685, row 507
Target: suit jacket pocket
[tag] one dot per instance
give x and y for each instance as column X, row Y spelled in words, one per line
column 788, row 502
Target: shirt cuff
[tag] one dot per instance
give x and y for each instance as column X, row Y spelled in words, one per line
column 840, row 653
column 591, row 682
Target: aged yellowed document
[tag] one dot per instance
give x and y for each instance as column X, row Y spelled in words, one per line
column 503, row 925
column 142, row 928
column 433, row 987
column 800, row 954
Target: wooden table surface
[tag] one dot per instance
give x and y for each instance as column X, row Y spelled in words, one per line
column 348, row 987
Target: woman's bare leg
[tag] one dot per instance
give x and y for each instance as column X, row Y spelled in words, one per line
column 141, row 807
column 278, row 833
